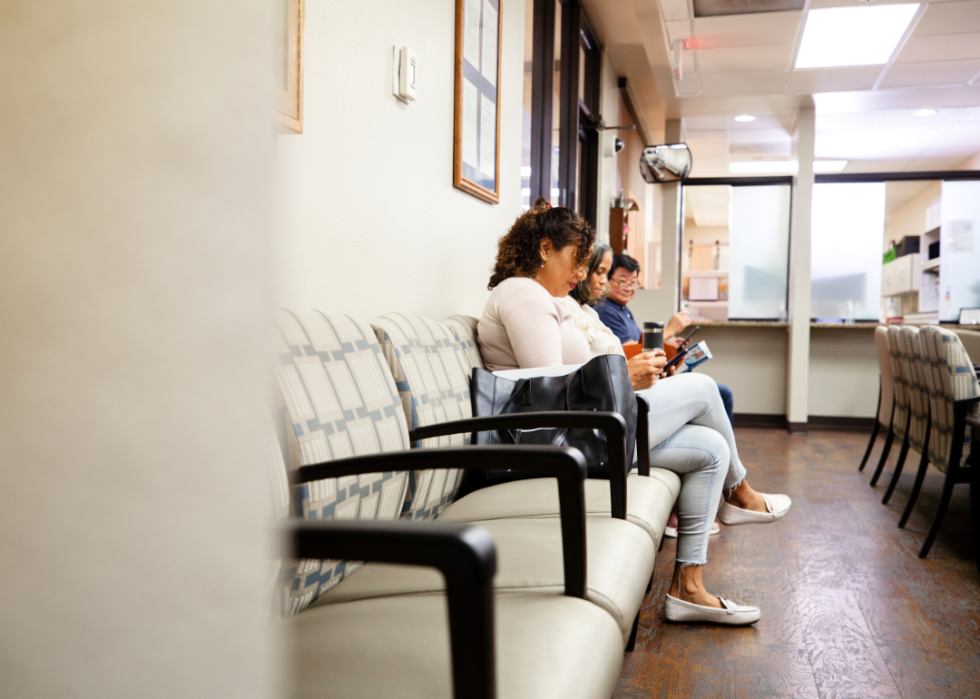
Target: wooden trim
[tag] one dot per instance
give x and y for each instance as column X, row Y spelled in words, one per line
column 289, row 102
column 568, row 119
column 849, row 424
column 738, row 181
column 542, row 97
column 631, row 110
column 459, row 181
column 760, row 420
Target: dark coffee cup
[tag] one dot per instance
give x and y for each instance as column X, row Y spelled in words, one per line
column 653, row 336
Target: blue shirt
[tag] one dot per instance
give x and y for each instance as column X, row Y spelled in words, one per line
column 618, row 319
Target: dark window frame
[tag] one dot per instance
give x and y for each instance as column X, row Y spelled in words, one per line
column 578, row 154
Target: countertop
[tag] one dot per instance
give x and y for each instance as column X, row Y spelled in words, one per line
column 835, row 326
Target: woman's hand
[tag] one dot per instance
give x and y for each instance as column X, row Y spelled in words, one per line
column 676, row 324
column 646, row 368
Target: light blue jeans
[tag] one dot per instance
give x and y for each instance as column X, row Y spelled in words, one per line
column 694, row 439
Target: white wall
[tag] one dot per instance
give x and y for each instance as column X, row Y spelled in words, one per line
column 137, row 142
column 369, row 221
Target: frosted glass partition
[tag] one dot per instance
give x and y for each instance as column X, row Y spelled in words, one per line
column 847, row 228
column 959, row 249
column 758, row 224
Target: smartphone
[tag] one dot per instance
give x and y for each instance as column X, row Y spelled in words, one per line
column 677, row 359
column 691, row 334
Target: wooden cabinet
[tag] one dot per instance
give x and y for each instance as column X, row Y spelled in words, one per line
column 902, row 275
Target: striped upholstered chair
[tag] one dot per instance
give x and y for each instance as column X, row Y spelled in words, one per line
column 954, row 394
column 886, row 393
column 917, row 434
column 902, row 409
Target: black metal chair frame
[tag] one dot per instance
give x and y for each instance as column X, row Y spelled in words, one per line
column 877, row 426
column 955, row 474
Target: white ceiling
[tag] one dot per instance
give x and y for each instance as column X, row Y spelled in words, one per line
column 744, row 63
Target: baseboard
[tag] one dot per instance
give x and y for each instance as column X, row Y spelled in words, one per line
column 760, row 420
column 850, row 424
column 815, row 422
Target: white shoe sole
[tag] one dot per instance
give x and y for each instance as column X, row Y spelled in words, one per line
column 778, row 506
column 681, row 612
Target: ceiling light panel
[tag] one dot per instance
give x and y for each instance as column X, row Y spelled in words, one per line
column 853, row 36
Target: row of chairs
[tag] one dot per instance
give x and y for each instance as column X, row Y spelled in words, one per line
column 930, row 402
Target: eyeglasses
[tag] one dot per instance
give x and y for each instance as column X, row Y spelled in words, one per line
column 625, row 286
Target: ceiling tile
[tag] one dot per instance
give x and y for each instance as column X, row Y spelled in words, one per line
column 816, row 80
column 678, row 30
column 672, row 10
column 948, row 47
column 700, row 123
column 757, row 82
column 949, row 18
column 739, row 58
column 849, row 120
column 747, row 30
column 765, row 122
column 937, row 73
column 906, row 117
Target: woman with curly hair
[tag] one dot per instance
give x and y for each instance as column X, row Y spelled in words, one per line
column 540, row 260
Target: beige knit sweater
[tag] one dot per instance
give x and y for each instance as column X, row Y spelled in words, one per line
column 523, row 327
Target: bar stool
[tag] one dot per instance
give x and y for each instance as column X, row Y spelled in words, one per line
column 901, row 412
column 886, row 393
column 917, row 434
column 954, row 395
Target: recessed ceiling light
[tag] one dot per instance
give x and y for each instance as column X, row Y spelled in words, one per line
column 853, row 36
column 745, row 118
column 829, row 165
column 924, row 112
column 762, row 167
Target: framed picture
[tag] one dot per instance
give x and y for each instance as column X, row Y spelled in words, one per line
column 476, row 152
column 970, row 316
column 289, row 69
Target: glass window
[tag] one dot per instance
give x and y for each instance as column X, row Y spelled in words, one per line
column 735, row 251
column 847, row 229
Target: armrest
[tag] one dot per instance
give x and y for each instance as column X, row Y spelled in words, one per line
column 612, row 424
column 463, row 553
column 564, row 463
column 961, row 407
column 642, row 435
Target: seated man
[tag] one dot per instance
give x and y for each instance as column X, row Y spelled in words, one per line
column 623, row 275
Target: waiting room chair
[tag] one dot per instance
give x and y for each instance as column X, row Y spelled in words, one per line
column 886, row 393
column 917, row 434
column 954, row 395
column 901, row 411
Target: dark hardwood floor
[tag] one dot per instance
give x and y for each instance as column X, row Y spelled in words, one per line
column 848, row 609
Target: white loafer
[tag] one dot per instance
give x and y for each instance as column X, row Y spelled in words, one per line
column 671, row 532
column 733, row 614
column 777, row 506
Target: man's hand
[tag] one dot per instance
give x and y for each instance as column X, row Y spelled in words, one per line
column 676, row 324
column 646, row 368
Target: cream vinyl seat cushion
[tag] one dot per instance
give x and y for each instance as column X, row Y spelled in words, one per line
column 529, row 558
column 547, row 647
column 649, row 500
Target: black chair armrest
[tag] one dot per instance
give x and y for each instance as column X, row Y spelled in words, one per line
column 612, row 424
column 564, row 463
column 961, row 407
column 463, row 553
column 642, row 435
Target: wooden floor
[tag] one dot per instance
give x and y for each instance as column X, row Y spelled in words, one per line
column 848, row 609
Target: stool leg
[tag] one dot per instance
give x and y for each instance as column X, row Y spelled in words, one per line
column 940, row 512
column 871, row 443
column 631, row 644
column 898, row 472
column 916, row 487
column 884, row 455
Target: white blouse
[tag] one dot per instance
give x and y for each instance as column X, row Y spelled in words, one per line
column 601, row 339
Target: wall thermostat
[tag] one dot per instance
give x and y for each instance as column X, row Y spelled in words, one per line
column 403, row 74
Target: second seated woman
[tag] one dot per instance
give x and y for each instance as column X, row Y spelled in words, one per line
column 540, row 260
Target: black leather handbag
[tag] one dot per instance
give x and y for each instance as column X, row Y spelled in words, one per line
column 602, row 384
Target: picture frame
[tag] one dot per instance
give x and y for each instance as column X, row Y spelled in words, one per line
column 969, row 316
column 476, row 149
column 289, row 91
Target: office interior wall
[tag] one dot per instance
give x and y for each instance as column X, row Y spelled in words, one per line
column 610, row 107
column 137, row 142
column 368, row 220
column 843, row 377
column 752, row 362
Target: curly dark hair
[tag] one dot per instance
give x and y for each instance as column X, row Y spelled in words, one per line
column 518, row 250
